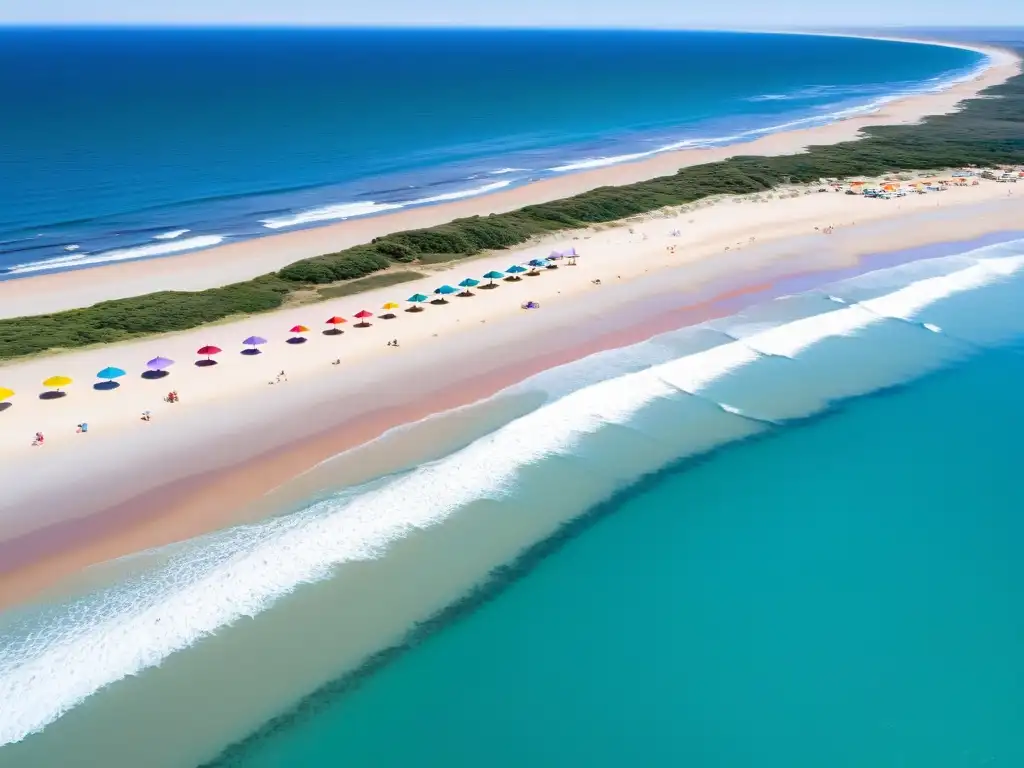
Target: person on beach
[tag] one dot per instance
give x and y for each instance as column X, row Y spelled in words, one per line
column 39, row 439
column 83, row 427
column 146, row 416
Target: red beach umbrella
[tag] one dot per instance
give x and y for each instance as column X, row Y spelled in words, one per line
column 363, row 315
column 209, row 350
column 299, row 329
column 335, row 322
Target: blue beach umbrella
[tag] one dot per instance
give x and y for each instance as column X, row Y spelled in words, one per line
column 416, row 299
column 444, row 290
column 110, row 373
column 515, row 270
column 492, row 276
column 466, row 284
column 539, row 263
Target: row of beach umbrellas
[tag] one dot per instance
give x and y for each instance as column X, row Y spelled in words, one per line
column 157, row 367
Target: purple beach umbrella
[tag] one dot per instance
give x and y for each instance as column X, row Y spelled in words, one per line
column 159, row 364
column 252, row 342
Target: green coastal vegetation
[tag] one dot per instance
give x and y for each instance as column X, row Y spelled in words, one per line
column 987, row 131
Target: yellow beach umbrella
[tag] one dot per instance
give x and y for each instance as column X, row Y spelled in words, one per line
column 389, row 314
column 6, row 394
column 391, row 305
column 57, row 381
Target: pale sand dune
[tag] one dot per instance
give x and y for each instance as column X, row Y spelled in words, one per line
column 241, row 261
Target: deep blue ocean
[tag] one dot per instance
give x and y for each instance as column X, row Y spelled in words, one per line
column 134, row 143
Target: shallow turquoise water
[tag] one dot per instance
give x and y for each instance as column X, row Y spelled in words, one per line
column 845, row 592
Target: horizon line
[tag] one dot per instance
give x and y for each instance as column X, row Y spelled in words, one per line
column 448, row 26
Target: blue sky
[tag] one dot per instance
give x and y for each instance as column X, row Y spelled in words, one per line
column 573, row 13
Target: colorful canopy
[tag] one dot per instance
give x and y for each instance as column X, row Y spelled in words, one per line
column 6, row 394
column 57, row 381
column 417, row 298
column 299, row 329
column 254, row 341
column 110, row 373
column 446, row 290
column 159, row 364
column 469, row 282
column 363, row 314
column 492, row 275
column 391, row 305
column 515, row 269
column 208, row 350
column 331, row 321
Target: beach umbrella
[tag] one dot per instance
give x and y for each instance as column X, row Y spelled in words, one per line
column 56, row 382
column 6, row 394
column 298, row 338
column 388, row 309
column 209, row 350
column 416, row 299
column 110, row 373
column 334, row 322
column 159, row 364
column 492, row 276
column 538, row 263
column 444, row 290
column 363, row 316
column 252, row 342
column 299, row 329
column 515, row 270
column 468, row 283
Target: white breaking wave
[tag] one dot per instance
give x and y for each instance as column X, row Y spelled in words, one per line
column 72, row 247
column 121, row 254
column 502, row 171
column 343, row 211
column 172, row 235
column 49, row 669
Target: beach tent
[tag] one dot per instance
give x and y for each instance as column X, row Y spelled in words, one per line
column 389, row 309
column 363, row 317
column 492, row 276
column 466, row 284
column 252, row 342
column 416, row 299
column 334, row 322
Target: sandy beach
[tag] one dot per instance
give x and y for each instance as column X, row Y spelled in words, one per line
column 238, row 432
column 242, row 429
column 241, row 261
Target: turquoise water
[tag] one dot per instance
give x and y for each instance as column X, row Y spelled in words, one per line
column 786, row 537
column 188, row 138
column 845, row 592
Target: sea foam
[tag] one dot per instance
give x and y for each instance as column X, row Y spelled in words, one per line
column 343, row 211
column 82, row 259
column 51, row 662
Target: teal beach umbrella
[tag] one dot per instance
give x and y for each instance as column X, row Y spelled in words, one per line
column 515, row 270
column 110, row 373
column 468, row 283
column 492, row 276
column 416, row 299
column 444, row 290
